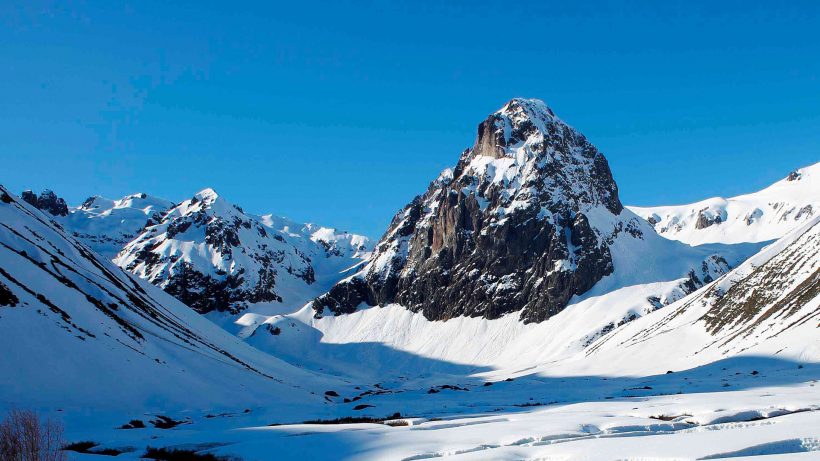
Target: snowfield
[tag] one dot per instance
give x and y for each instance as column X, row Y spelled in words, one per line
column 687, row 415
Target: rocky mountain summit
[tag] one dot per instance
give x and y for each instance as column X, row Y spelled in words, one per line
column 528, row 218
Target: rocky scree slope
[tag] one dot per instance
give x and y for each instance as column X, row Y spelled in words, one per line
column 527, row 219
column 770, row 304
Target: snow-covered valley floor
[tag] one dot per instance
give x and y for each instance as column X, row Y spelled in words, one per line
column 740, row 408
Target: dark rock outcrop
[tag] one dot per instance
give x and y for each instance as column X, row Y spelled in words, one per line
column 707, row 219
column 47, row 201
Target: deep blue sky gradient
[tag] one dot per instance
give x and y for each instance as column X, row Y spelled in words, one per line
column 340, row 112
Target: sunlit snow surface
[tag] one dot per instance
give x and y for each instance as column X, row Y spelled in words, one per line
column 772, row 412
column 654, row 389
column 755, row 217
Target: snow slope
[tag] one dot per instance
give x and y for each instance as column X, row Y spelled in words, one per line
column 769, row 305
column 77, row 332
column 760, row 216
column 659, row 278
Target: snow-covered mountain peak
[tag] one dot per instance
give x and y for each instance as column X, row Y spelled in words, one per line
column 518, row 110
column 760, row 216
column 214, row 256
column 534, row 159
column 528, row 218
column 106, row 225
column 139, row 201
column 208, row 204
column 207, row 195
column 520, row 121
column 96, row 202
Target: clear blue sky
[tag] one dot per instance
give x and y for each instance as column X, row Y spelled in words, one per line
column 341, row 112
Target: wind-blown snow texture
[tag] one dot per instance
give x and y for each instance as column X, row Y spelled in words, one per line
column 760, row 216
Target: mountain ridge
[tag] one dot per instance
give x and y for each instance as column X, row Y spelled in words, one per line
column 759, row 216
column 67, row 313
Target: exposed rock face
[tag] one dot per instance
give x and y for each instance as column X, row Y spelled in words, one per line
column 47, row 201
column 706, row 219
column 213, row 256
column 7, row 297
column 520, row 224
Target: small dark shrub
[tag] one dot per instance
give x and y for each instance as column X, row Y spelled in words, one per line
column 89, row 447
column 25, row 437
column 133, row 424
column 164, row 422
column 397, row 423
column 172, row 454
column 352, row 420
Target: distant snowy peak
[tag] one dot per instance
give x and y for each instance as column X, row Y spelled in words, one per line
column 527, row 219
column 106, row 225
column 335, row 242
column 213, row 256
column 764, row 215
